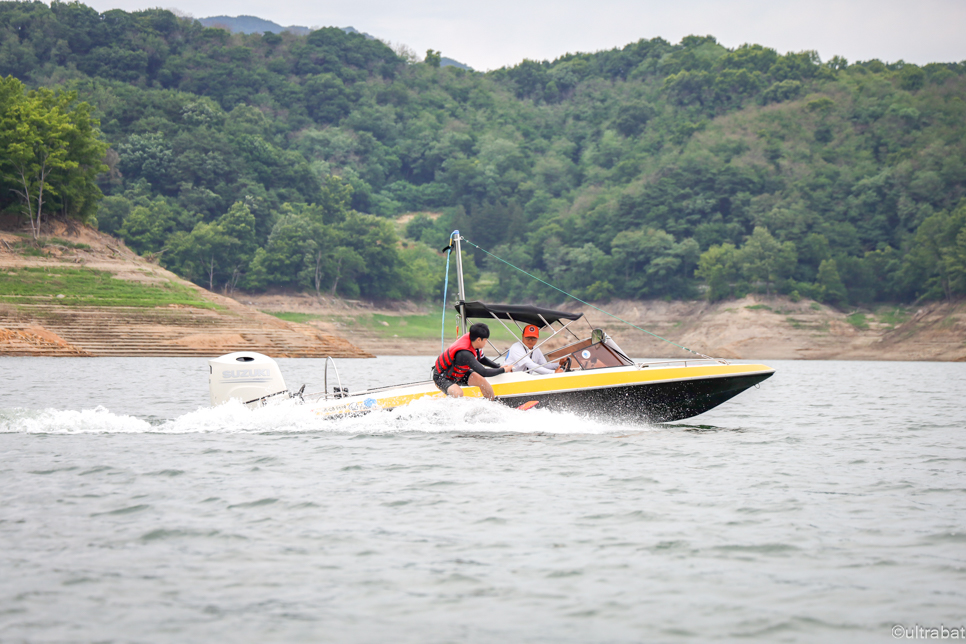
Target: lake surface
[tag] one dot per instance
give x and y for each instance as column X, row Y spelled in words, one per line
column 828, row 505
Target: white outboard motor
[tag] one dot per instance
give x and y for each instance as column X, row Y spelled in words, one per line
column 250, row 377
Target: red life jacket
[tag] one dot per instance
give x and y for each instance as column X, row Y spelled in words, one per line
column 444, row 363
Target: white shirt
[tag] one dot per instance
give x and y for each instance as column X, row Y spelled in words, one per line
column 517, row 356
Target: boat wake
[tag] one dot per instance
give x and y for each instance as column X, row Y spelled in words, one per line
column 425, row 415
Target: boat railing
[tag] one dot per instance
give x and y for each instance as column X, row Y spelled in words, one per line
column 385, row 387
column 343, row 392
column 339, row 392
column 679, row 363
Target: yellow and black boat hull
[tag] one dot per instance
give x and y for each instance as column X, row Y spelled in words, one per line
column 658, row 395
column 654, row 393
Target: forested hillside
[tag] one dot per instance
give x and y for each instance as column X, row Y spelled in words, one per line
column 654, row 170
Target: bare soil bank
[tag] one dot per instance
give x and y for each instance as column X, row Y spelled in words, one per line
column 755, row 327
column 41, row 325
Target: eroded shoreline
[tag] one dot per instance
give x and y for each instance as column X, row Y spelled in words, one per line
column 754, row 327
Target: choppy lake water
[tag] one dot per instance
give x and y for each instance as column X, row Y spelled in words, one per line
column 828, row 505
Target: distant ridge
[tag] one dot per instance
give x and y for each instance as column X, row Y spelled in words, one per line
column 256, row 25
column 353, row 30
column 251, row 25
column 449, row 62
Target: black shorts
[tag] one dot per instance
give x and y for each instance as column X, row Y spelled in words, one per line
column 445, row 383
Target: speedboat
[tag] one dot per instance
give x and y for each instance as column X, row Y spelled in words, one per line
column 599, row 378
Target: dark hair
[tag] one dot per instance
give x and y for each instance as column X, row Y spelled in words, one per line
column 479, row 330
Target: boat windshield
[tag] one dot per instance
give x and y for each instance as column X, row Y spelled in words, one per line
column 592, row 355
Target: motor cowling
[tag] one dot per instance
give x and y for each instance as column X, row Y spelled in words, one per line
column 250, row 377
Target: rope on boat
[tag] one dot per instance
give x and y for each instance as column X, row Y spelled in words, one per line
column 697, row 353
column 442, row 324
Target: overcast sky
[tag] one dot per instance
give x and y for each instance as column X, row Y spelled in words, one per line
column 493, row 33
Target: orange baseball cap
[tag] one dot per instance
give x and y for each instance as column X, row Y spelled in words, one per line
column 531, row 331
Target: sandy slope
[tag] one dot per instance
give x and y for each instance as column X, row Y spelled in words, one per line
column 27, row 328
column 755, row 327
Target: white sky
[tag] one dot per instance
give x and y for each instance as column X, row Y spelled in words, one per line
column 491, row 34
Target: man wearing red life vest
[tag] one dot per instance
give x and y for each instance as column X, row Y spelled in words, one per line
column 464, row 364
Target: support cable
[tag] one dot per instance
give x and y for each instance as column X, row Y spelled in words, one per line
column 588, row 303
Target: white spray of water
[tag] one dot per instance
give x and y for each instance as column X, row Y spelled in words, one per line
column 53, row 421
column 424, row 415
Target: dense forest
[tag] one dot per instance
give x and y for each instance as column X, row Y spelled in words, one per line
column 654, row 170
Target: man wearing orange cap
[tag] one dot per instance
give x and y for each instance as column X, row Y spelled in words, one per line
column 522, row 359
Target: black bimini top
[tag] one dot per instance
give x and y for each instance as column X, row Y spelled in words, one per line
column 516, row 312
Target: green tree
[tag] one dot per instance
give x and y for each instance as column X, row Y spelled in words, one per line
column 632, row 118
column 111, row 213
column 720, row 268
column 957, row 263
column 149, row 156
column 372, row 268
column 35, row 147
column 238, row 227
column 346, row 266
column 573, row 268
column 433, row 58
column 936, row 263
column 321, row 245
column 282, row 259
column 785, row 90
column 830, row 287
column 51, row 154
column 326, row 97
column 650, row 263
column 334, row 201
column 147, row 227
column 200, row 252
column 765, row 261
column 911, row 78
